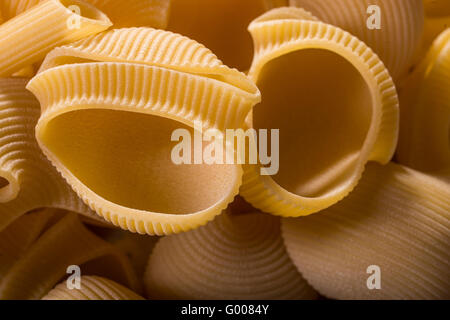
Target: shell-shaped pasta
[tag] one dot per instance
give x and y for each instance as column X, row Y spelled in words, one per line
column 424, row 141
column 28, row 180
column 232, row 257
column 16, row 239
column 27, row 38
column 395, row 228
column 92, row 288
column 220, row 25
column 64, row 244
column 335, row 106
column 397, row 40
column 154, row 84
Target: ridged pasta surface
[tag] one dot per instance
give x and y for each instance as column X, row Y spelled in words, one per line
column 92, row 288
column 334, row 104
column 28, row 37
column 397, row 219
column 29, row 180
column 233, row 257
column 398, row 39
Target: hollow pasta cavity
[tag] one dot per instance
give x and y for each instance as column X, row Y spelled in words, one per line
column 323, row 108
column 125, row 157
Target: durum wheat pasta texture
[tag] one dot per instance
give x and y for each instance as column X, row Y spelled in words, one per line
column 27, row 38
column 397, row 219
column 398, row 39
column 425, row 111
column 134, row 183
column 29, row 181
column 94, row 288
column 67, row 242
column 232, row 257
column 336, row 104
column 437, row 19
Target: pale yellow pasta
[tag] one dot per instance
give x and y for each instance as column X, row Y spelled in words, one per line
column 334, row 104
column 233, row 257
column 424, row 142
column 28, row 180
column 136, row 13
column 64, row 244
column 220, row 25
column 92, row 288
column 398, row 39
column 154, row 83
column 28, row 37
column 395, row 227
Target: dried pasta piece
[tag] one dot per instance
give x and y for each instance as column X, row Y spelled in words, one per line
column 335, row 106
column 16, row 239
column 28, row 180
column 64, row 244
column 150, row 13
column 28, row 37
column 233, row 257
column 93, row 288
column 140, row 188
column 398, row 40
column 437, row 19
column 424, row 142
column 220, row 25
column 397, row 219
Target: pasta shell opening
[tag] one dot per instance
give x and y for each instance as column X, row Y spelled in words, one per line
column 131, row 165
column 323, row 108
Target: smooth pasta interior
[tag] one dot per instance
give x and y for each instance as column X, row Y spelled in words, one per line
column 86, row 10
column 221, row 27
column 125, row 157
column 322, row 107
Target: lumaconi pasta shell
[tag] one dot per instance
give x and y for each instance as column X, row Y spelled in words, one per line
column 209, row 23
column 397, row 219
column 143, row 68
column 326, row 161
column 29, row 181
column 92, row 288
column 64, row 244
column 232, row 257
column 28, row 37
column 398, row 40
column 133, row 182
column 424, row 142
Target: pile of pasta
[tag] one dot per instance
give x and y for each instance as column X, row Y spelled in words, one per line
column 91, row 91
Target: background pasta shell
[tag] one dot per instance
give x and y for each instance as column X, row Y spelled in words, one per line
column 424, row 142
column 397, row 220
column 92, row 288
column 398, row 40
column 334, row 104
column 233, row 257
